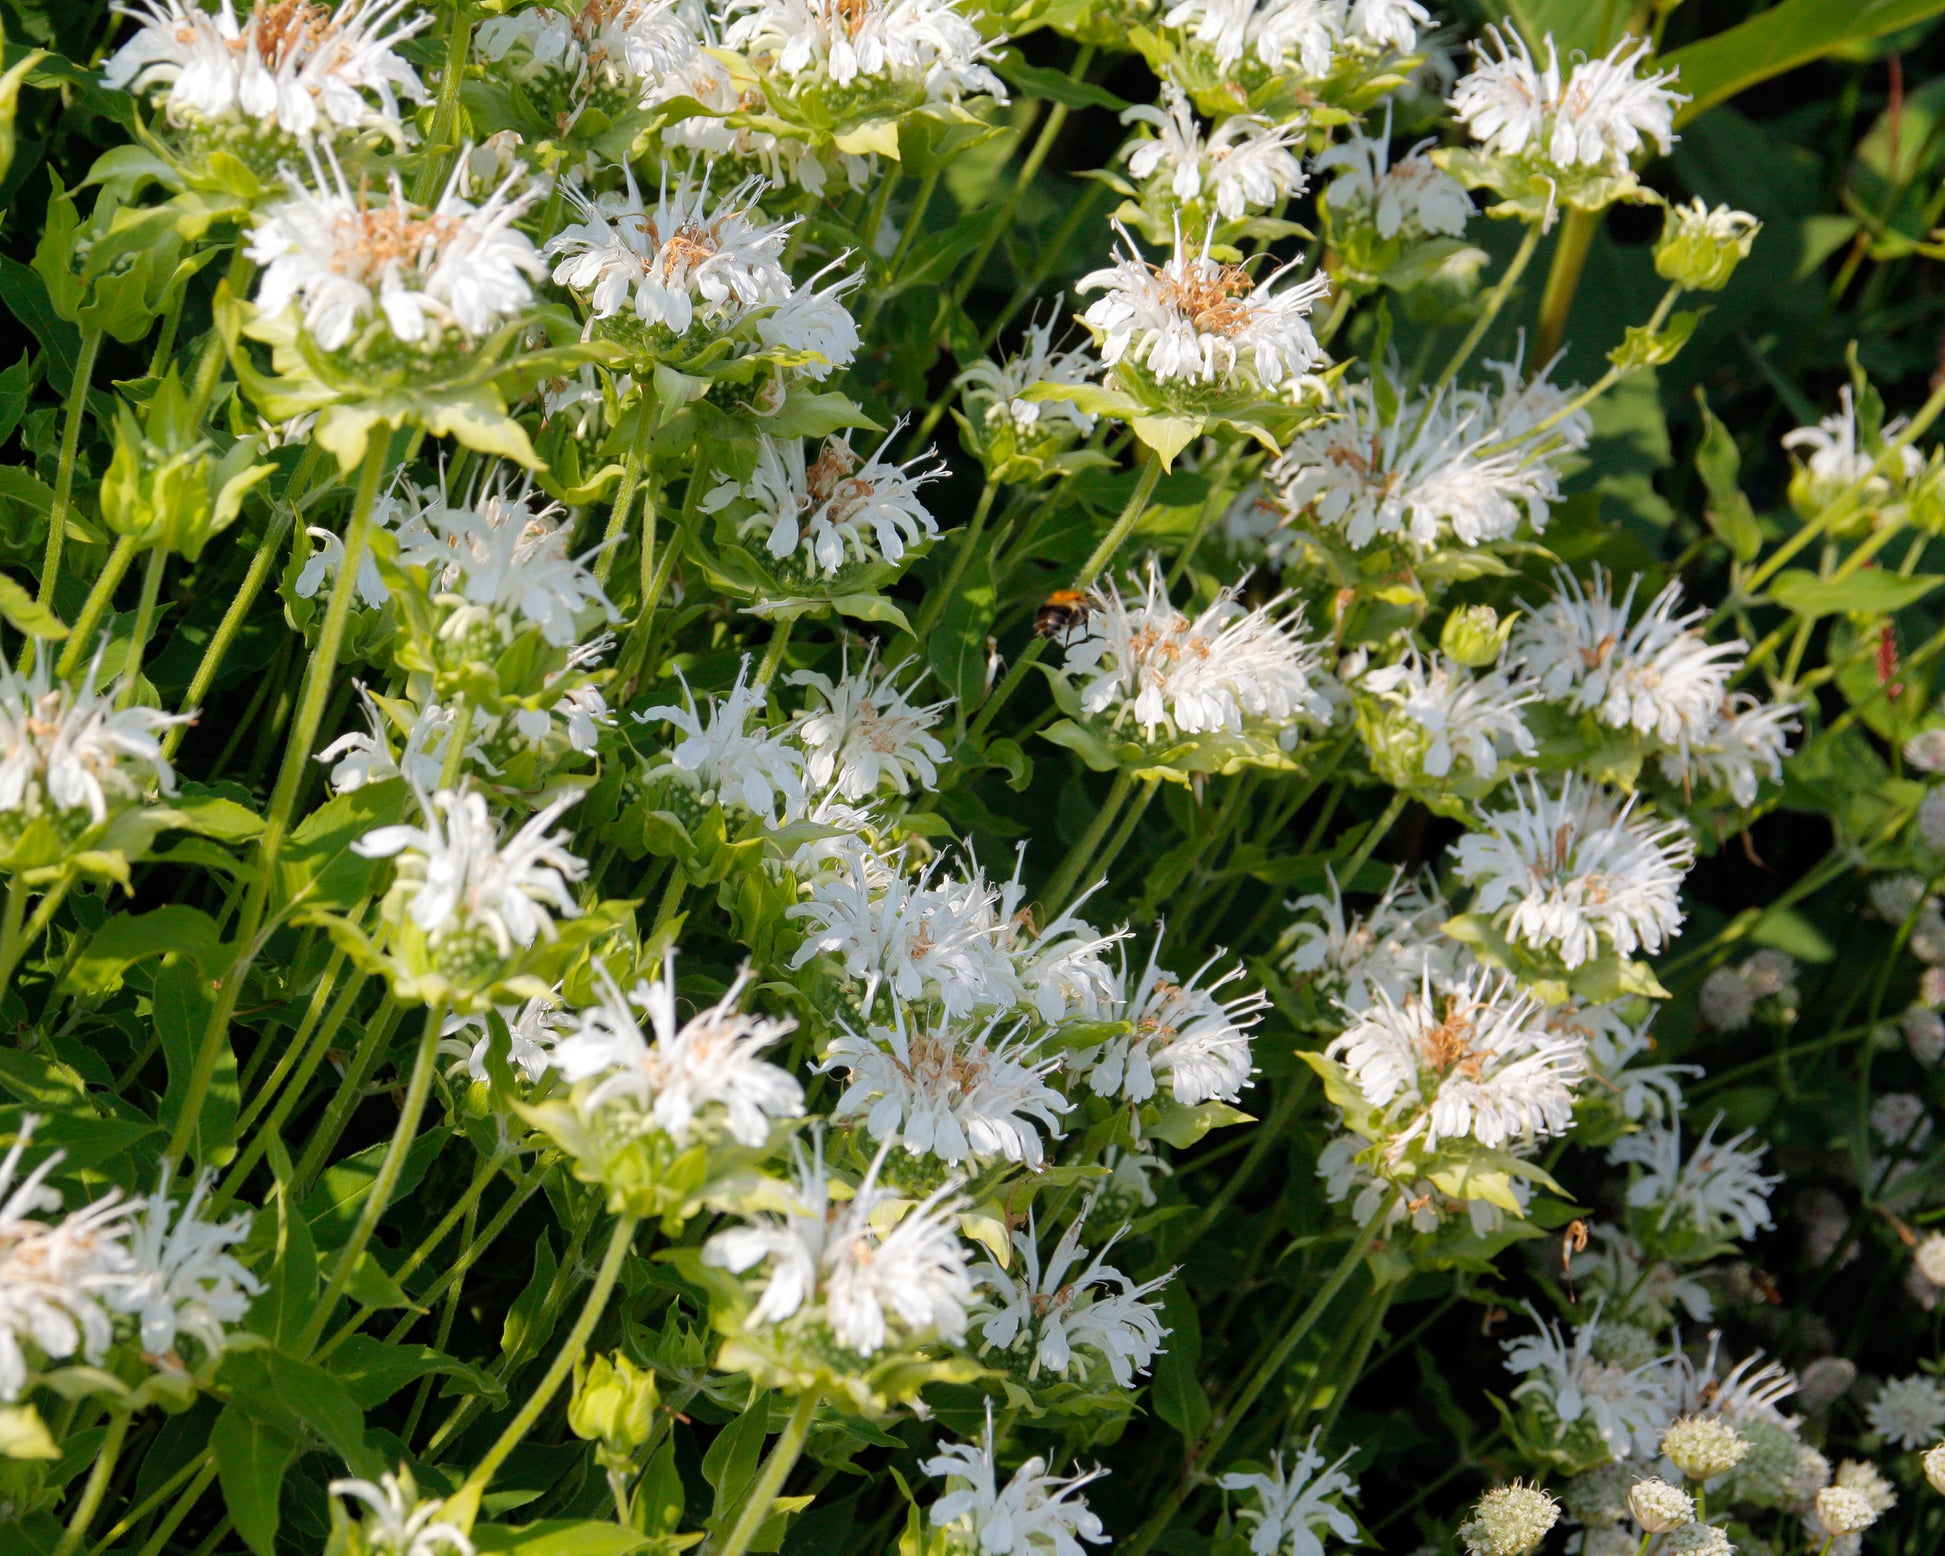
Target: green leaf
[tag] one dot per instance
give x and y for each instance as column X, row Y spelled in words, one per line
column 324, row 1405
column 936, row 255
column 1782, row 38
column 182, row 1005
column 25, row 295
column 1866, row 592
column 1177, row 1394
column 1182, row 1125
column 1719, row 463
column 26, row 614
column 24, row 1435
column 251, row 1460
column 956, row 647
column 1056, row 86
column 558, row 1538
column 333, row 1205
column 372, row 1370
column 1643, row 347
column 730, row 1464
column 317, row 869
column 128, row 938
column 16, row 385
column 1167, row 435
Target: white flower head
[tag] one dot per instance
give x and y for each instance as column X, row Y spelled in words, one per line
column 839, row 509
column 1245, row 164
column 1298, row 37
column 1410, row 194
column 927, row 48
column 1840, row 457
column 370, row 755
column 1603, row 116
column 182, row 1279
column 353, row 266
column 57, row 1279
column 689, row 257
column 1349, row 957
column 873, row 1280
column 532, row 1029
column 66, row 751
column 1187, row 1034
column 869, row 736
column 613, row 54
column 1580, row 871
column 1291, row 1511
column 1743, row 748
column 956, row 1091
column 755, row 768
column 1061, row 967
column 1225, row 670
column 461, row 878
column 1469, row 465
column 1628, row 1407
column 397, row 1521
column 1481, row 1062
column 927, row 937
column 1061, row 1311
column 1033, row 1514
column 1718, row 1185
column 1197, row 322
column 294, row 68
column 1655, row 675
column 992, row 390
column 1909, row 1412
column 683, row 1078
column 1464, row 716
column 503, row 560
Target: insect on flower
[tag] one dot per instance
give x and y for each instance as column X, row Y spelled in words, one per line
column 1062, row 612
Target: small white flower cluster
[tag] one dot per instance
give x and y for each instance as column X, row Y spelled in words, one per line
column 1243, row 165
column 69, row 754
column 68, row 1286
column 1297, row 36
column 1465, row 466
column 1408, row 196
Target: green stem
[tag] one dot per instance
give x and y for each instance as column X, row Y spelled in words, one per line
column 76, row 412
column 138, row 641
column 937, row 599
column 776, row 1470
column 1374, row 837
column 185, row 1503
column 149, row 1503
column 563, row 1364
column 1495, row 301
column 773, row 654
column 11, row 942
column 1054, row 898
column 350, row 1092
column 379, row 1196
column 318, row 676
column 81, row 638
column 97, row 1487
column 1211, row 1445
column 445, row 116
column 1129, row 821
column 261, row 562
column 632, row 464
column 1563, row 280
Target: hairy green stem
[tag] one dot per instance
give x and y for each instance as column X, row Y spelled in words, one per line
column 74, row 414
column 138, row 641
column 1054, row 898
column 218, row 648
column 1495, row 301
column 97, row 1486
column 81, row 637
column 1563, row 280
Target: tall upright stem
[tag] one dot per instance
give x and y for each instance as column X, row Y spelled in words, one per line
column 261, row 562
column 770, row 1481
column 91, row 1494
column 1495, row 300
column 379, row 1195
column 563, row 1364
column 75, row 414
column 1563, row 280
column 81, row 639
column 138, row 642
column 318, row 676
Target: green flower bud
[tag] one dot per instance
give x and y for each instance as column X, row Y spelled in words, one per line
column 1700, row 248
column 1475, row 636
column 166, row 485
column 614, row 1404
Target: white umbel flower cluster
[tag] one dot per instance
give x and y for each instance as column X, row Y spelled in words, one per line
column 1465, row 717
column 613, row 53
column 1225, row 670
column 1603, row 115
column 1187, row 1035
column 1580, row 871
column 727, row 759
column 1468, row 466
column 1717, row 1186
column 1410, row 194
column 869, row 736
column 1629, row 1407
column 1197, row 322
column 68, row 753
column 1033, row 1514
column 294, row 68
column 352, row 266
column 872, row 1282
column 993, row 391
